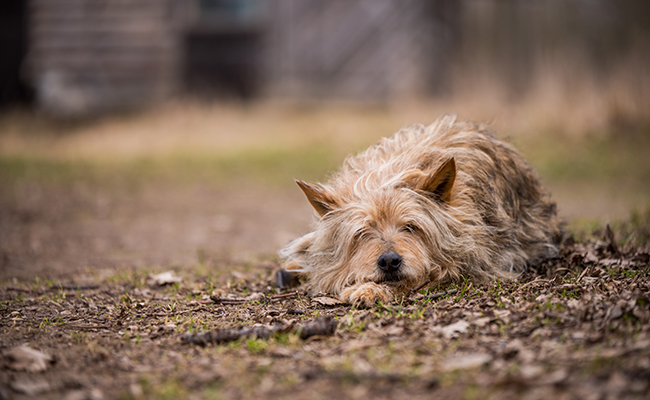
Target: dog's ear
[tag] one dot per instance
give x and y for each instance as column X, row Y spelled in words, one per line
column 318, row 197
column 440, row 183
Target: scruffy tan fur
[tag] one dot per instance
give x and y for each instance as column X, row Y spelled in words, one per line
column 439, row 202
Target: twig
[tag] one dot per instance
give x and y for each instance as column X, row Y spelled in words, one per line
column 17, row 289
column 74, row 287
column 558, row 316
column 611, row 241
column 438, row 295
column 227, row 302
column 425, row 283
column 284, row 295
column 582, row 274
column 321, row 326
column 350, row 376
column 555, row 273
column 85, row 327
column 536, row 280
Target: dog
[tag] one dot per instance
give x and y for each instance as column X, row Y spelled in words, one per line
column 436, row 203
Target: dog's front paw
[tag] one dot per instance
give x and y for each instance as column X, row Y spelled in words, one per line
column 366, row 294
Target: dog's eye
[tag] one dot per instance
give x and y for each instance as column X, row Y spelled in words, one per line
column 410, row 228
column 359, row 234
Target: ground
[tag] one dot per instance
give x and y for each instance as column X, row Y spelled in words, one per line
column 92, row 212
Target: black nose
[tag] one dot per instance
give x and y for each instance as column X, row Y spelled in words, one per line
column 389, row 262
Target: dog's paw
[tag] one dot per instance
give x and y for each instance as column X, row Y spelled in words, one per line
column 366, row 294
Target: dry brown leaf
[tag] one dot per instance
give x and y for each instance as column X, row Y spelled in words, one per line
column 30, row 386
column 453, row 330
column 165, row 278
column 327, row 301
column 23, row 358
column 466, row 361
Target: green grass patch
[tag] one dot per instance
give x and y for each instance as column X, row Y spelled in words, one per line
column 272, row 166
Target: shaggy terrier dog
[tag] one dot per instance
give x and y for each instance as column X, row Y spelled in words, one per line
column 430, row 203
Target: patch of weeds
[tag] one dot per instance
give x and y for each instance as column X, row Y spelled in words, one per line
column 169, row 389
column 59, row 296
column 127, row 301
column 173, row 289
column 417, row 314
column 352, row 325
column 47, row 322
column 193, row 296
column 284, row 339
column 473, row 392
column 39, row 283
column 256, row 346
column 212, row 391
column 387, row 310
column 79, row 337
column 598, row 364
column 467, row 284
column 571, row 294
column 629, row 273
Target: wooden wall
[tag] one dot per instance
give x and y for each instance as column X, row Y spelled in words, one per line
column 90, row 56
column 362, row 49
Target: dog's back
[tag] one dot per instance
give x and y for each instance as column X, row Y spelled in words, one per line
column 436, row 202
column 494, row 186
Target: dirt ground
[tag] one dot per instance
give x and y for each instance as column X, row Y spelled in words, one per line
column 60, row 232
column 576, row 327
column 81, row 255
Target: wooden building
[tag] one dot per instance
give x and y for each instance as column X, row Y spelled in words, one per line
column 90, row 56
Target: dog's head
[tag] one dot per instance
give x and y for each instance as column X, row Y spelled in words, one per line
column 393, row 231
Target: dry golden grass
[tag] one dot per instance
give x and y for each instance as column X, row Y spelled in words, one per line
column 589, row 146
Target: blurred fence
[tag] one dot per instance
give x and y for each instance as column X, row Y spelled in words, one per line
column 86, row 56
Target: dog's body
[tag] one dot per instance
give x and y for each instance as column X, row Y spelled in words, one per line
column 430, row 203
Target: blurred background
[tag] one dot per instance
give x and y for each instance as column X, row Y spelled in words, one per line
column 139, row 133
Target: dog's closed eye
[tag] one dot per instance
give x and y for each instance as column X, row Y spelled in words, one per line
column 410, row 228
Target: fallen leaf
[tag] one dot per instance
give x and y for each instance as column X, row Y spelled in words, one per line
column 359, row 344
column 455, row 329
column 614, row 312
column 23, row 358
column 481, row 322
column 466, row 361
column 30, row 386
column 166, row 278
column 327, row 301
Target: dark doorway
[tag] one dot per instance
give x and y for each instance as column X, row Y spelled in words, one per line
column 13, row 49
column 222, row 49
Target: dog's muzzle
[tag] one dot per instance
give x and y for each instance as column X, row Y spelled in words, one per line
column 389, row 263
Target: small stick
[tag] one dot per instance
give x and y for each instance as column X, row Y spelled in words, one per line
column 536, row 280
column 74, row 287
column 293, row 311
column 84, row 327
column 583, row 273
column 321, row 326
column 17, row 289
column 284, row 295
column 438, row 295
column 417, row 289
column 230, row 302
column 559, row 316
